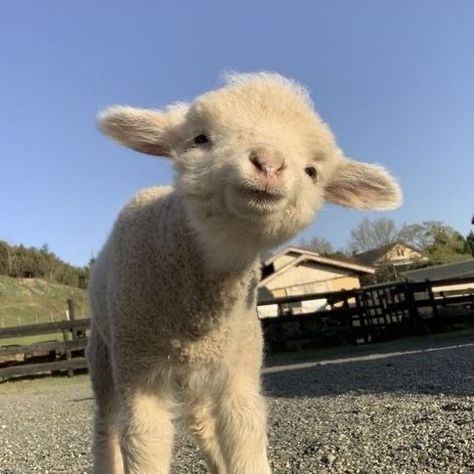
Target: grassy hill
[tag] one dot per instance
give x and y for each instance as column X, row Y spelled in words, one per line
column 30, row 300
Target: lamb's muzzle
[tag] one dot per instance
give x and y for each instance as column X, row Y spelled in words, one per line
column 268, row 163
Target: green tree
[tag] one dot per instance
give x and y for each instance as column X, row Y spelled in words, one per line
column 448, row 246
column 421, row 235
column 438, row 242
column 21, row 261
column 4, row 258
column 470, row 243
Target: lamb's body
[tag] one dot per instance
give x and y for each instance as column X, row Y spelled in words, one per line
column 163, row 301
column 176, row 328
column 173, row 293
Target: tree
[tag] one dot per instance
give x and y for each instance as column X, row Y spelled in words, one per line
column 448, row 246
column 438, row 242
column 470, row 243
column 8, row 259
column 372, row 234
column 319, row 245
column 20, row 261
column 4, row 258
column 324, row 248
column 421, row 236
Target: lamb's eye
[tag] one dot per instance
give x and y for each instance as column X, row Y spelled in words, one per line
column 201, row 139
column 311, row 172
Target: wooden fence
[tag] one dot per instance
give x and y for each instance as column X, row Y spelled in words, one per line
column 49, row 356
column 364, row 315
column 371, row 314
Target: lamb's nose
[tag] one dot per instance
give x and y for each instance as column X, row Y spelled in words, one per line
column 266, row 161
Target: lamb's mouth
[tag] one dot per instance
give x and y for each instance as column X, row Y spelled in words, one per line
column 250, row 202
column 261, row 196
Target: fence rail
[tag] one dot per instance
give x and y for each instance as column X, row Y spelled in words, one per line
column 64, row 353
column 369, row 314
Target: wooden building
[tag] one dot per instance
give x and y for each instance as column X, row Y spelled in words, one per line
column 297, row 271
column 397, row 254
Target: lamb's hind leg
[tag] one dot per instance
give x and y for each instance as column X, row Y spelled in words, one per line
column 106, row 448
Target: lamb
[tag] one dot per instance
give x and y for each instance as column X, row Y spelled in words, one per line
column 173, row 293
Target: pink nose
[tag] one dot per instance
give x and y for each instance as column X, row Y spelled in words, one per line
column 268, row 163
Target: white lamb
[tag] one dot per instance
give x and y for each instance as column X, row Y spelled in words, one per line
column 173, row 292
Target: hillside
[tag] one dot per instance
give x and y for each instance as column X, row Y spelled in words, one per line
column 30, row 300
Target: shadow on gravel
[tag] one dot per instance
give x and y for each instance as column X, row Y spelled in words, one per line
column 439, row 368
column 78, row 400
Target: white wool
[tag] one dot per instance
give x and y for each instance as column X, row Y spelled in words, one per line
column 173, row 292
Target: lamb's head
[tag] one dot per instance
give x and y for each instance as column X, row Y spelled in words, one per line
column 254, row 161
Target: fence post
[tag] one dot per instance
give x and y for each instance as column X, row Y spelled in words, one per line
column 363, row 320
column 347, row 317
column 70, row 305
column 434, row 306
column 414, row 315
column 72, row 317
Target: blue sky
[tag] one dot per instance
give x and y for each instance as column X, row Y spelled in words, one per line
column 394, row 79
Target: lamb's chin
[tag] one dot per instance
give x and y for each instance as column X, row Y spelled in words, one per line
column 252, row 204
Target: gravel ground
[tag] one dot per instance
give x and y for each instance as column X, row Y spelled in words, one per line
column 400, row 407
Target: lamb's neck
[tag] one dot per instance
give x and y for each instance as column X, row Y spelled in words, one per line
column 225, row 253
column 222, row 249
column 233, row 262
column 217, row 249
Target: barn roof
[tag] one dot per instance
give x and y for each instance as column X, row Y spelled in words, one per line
column 303, row 255
column 441, row 272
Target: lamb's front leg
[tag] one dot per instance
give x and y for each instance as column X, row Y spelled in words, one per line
column 106, row 449
column 241, row 426
column 146, row 434
column 202, row 423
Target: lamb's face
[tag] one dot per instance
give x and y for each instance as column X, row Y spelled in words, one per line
column 253, row 157
column 257, row 153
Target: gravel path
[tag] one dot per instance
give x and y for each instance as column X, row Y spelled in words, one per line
column 400, row 407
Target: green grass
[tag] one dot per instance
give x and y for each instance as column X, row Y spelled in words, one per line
column 31, row 300
column 27, row 340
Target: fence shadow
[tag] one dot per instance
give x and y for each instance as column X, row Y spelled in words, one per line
column 439, row 367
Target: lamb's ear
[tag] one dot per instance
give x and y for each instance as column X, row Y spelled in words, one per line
column 144, row 130
column 363, row 186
